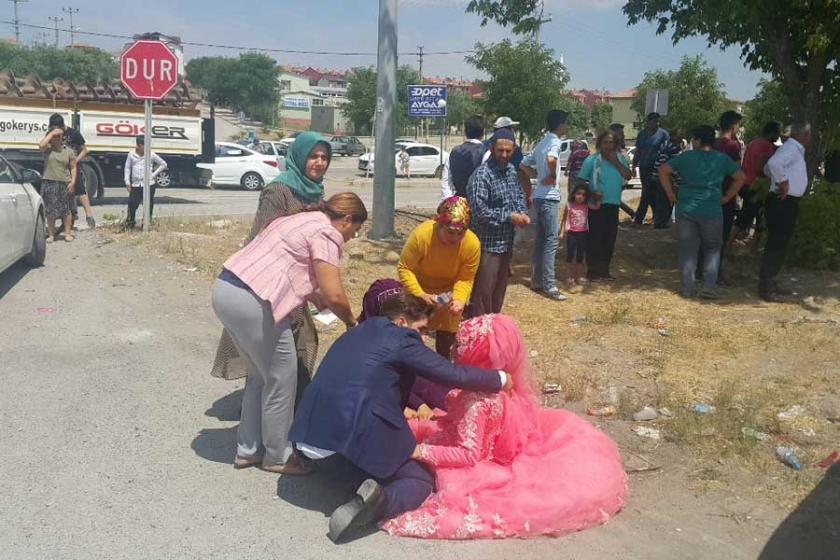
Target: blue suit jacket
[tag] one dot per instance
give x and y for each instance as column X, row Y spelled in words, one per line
column 354, row 405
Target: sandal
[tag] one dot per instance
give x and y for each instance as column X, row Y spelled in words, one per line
column 69, row 238
column 50, row 239
column 292, row 467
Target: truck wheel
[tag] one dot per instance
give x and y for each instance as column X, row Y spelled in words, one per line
column 251, row 181
column 39, row 244
column 91, row 179
column 164, row 179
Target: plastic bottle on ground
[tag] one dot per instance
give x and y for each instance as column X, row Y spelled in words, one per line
column 787, row 455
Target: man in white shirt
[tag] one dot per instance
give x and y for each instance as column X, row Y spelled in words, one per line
column 788, row 174
column 134, row 173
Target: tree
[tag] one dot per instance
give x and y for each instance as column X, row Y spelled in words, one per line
column 248, row 83
column 695, row 95
column 578, row 119
column 525, row 81
column 361, row 96
column 769, row 104
column 49, row 63
column 460, row 107
column 600, row 116
column 524, row 15
column 797, row 42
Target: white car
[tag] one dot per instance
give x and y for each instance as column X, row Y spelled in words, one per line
column 238, row 165
column 275, row 149
column 22, row 227
column 424, row 159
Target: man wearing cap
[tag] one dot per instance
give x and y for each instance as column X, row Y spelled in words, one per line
column 547, row 197
column 134, row 175
column 506, row 123
column 651, row 141
column 498, row 207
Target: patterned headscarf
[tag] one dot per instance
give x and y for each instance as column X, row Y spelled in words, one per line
column 454, row 213
column 378, row 293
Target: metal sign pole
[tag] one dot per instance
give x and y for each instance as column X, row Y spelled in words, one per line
column 147, row 174
column 442, row 126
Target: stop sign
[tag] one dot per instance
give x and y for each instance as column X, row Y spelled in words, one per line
column 148, row 69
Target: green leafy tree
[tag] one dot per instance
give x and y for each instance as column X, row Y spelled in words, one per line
column 248, row 83
column 525, row 16
column 769, row 104
column 797, row 42
column 49, row 63
column 525, row 81
column 460, row 106
column 361, row 96
column 578, row 119
column 696, row 95
column 600, row 116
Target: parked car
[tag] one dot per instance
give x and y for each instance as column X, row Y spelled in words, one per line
column 424, row 159
column 289, row 140
column 22, row 227
column 347, row 146
column 238, row 165
column 275, row 149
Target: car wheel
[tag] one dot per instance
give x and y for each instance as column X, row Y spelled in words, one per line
column 251, row 181
column 39, row 244
column 439, row 172
column 164, row 179
column 91, row 182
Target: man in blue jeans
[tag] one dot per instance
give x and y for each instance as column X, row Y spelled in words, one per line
column 547, row 198
column 699, row 209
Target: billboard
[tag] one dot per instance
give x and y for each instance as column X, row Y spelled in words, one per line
column 427, row 101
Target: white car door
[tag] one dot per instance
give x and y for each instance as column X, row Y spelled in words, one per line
column 17, row 225
column 231, row 164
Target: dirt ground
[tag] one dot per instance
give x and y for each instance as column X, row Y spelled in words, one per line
column 119, row 443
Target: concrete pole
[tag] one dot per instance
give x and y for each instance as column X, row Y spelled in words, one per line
column 384, row 174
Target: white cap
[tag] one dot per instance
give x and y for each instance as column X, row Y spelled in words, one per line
column 504, row 122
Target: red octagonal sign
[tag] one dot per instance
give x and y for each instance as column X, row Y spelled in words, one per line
column 149, row 69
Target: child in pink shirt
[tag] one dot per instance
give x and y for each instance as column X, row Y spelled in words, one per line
column 574, row 226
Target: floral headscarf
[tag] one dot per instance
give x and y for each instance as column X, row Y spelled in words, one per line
column 454, row 213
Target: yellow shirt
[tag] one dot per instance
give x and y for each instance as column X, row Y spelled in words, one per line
column 429, row 266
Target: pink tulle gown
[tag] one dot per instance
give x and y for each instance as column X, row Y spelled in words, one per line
column 504, row 466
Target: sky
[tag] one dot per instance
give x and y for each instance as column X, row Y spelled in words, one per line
column 599, row 49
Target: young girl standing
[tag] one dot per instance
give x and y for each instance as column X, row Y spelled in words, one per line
column 574, row 227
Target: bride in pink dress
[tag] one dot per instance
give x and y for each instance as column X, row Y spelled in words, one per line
column 504, row 466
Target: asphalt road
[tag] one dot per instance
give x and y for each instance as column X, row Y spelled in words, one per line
column 117, row 443
column 419, row 192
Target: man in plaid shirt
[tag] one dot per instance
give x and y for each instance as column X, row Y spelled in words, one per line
column 498, row 207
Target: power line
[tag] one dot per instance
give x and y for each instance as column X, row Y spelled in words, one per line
column 242, row 47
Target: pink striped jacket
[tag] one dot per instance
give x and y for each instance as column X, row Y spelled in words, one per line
column 279, row 264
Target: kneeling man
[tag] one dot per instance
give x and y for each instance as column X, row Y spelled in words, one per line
column 350, row 425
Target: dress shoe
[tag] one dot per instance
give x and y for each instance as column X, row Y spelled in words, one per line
column 365, row 508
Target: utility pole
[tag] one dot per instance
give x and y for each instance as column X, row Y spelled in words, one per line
column 422, row 121
column 70, row 11
column 55, row 20
column 384, row 173
column 541, row 19
column 17, row 19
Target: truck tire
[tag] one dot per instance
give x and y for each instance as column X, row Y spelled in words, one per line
column 36, row 256
column 164, row 179
column 92, row 185
column 251, row 181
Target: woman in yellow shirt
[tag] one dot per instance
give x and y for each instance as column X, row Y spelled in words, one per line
column 440, row 259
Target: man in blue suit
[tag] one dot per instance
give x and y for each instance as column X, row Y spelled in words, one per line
column 350, row 426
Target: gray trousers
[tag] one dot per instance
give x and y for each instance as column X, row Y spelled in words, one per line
column 269, row 349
